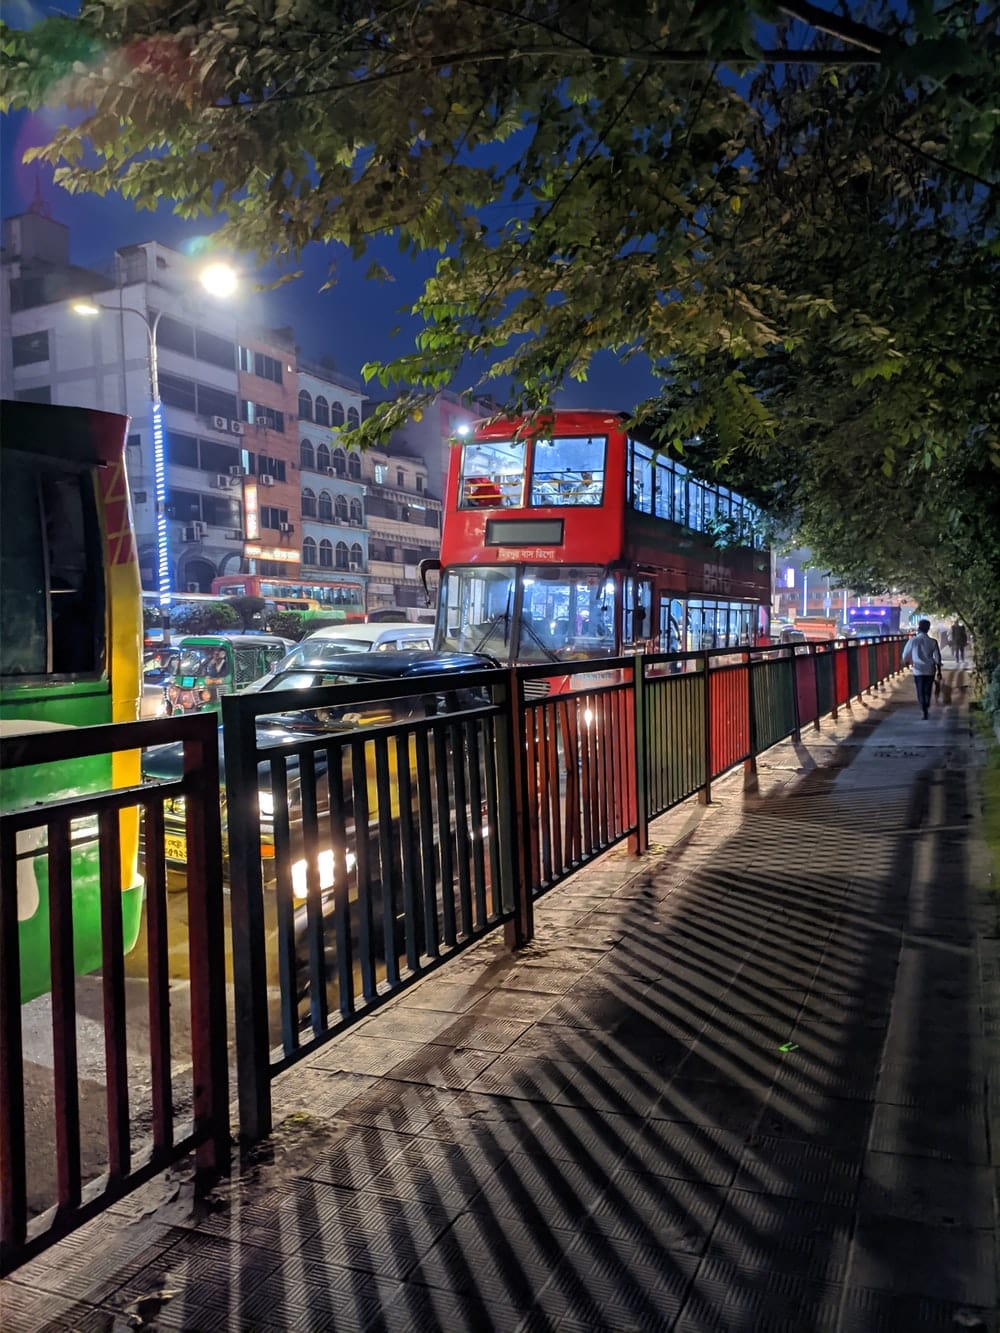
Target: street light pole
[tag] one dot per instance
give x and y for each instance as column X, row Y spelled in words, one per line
column 220, row 280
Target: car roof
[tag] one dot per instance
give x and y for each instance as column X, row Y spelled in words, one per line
column 235, row 638
column 390, row 666
column 376, row 630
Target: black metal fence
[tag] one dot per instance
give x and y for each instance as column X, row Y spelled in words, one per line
column 69, row 837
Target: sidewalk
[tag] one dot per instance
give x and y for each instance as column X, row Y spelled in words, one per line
column 742, row 1083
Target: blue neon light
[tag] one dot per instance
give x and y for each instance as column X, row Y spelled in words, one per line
column 160, row 483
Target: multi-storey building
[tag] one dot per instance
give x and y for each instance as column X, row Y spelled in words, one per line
column 189, row 459
column 404, row 526
column 334, row 535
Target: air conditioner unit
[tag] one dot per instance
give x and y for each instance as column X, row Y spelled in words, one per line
column 193, row 533
column 330, row 471
column 286, row 527
column 265, row 479
column 355, row 565
column 192, row 587
column 236, row 427
column 237, row 535
column 220, row 423
column 237, row 472
column 221, row 481
column 357, row 523
column 199, row 527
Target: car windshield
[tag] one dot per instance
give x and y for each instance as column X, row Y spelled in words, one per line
column 307, row 680
column 321, row 650
column 204, row 662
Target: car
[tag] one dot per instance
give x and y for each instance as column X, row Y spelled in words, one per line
column 331, row 642
column 288, row 725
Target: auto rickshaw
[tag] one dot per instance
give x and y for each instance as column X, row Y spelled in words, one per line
column 211, row 665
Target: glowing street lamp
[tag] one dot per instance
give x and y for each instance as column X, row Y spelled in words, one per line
column 220, row 280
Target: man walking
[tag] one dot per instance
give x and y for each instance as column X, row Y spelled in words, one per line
column 923, row 656
column 959, row 638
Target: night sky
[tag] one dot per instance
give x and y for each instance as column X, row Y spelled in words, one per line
column 351, row 322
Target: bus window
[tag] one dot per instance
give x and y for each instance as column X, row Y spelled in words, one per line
column 641, row 477
column 53, row 582
column 492, row 474
column 636, row 602
column 565, row 613
column 568, row 470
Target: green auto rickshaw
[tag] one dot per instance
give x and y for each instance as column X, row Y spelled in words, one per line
column 211, row 665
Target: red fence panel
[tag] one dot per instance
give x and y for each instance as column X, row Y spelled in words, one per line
column 805, row 686
column 840, row 671
column 729, row 711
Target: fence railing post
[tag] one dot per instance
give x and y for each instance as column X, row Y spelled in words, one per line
column 705, row 795
column 246, row 907
column 814, row 654
column 750, row 767
column 512, row 783
column 639, row 841
column 209, row 1038
column 13, row 1174
column 794, row 676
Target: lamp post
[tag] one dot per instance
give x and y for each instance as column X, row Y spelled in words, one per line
column 219, row 280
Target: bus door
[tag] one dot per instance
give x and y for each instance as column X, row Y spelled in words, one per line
column 637, row 602
column 671, row 625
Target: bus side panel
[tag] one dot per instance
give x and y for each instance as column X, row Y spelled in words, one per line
column 124, row 609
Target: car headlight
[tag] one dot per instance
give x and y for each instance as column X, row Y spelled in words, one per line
column 325, row 866
column 265, row 800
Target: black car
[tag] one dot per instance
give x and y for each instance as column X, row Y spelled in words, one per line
column 288, row 725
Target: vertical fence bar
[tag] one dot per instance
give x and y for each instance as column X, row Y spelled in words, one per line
column 428, row 862
column 639, row 842
column 64, row 1061
column 246, row 908
column 519, row 930
column 386, row 838
column 341, row 881
column 445, row 840
column 13, row 1177
column 463, row 849
column 408, row 863
column 476, row 826
column 314, row 893
column 113, row 988
column 209, row 1048
column 157, row 952
column 284, row 901
column 705, row 795
column 362, row 852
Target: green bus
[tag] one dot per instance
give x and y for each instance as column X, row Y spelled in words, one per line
column 70, row 651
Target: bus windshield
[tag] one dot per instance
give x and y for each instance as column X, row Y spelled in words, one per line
column 556, row 614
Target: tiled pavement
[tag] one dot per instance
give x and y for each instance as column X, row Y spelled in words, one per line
column 742, row 1084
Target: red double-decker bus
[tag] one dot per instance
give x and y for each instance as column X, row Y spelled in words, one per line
column 583, row 542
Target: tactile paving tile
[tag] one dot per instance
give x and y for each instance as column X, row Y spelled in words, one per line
column 480, row 1033
column 485, row 1121
column 419, row 1309
column 27, row 1310
column 541, row 1190
column 439, row 1067
column 356, row 1154
column 618, row 1091
column 942, row 1263
column 682, row 1152
column 449, row 1174
column 726, row 1298
column 926, row 1189
column 608, row 1283
column 357, row 1054
column 403, row 1107
column 786, row 1235
column 278, row 1219
column 868, row 1311
column 816, row 1118
column 718, row 1105
column 202, row 1282
column 959, row 1135
column 95, row 1261
column 323, row 1091
column 493, row 1260
column 317, row 1297
column 376, row 1234
column 677, row 1214
column 805, row 1171
column 536, row 1078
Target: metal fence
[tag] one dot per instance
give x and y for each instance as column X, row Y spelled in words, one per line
column 61, row 835
column 359, row 858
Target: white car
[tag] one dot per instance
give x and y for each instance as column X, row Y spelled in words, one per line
column 383, row 637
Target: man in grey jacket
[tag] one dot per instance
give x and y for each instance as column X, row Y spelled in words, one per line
column 922, row 655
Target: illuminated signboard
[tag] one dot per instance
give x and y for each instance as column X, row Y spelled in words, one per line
column 160, row 485
column 253, row 551
column 251, row 510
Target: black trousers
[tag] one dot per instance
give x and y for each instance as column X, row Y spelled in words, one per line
column 925, row 685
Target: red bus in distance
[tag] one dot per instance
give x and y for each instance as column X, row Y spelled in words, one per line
column 584, row 543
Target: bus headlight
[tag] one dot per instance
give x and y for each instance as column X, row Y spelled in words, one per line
column 324, row 864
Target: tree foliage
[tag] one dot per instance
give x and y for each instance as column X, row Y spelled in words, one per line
column 790, row 212
column 203, row 618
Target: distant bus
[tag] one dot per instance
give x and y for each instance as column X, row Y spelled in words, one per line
column 332, row 599
column 69, row 652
